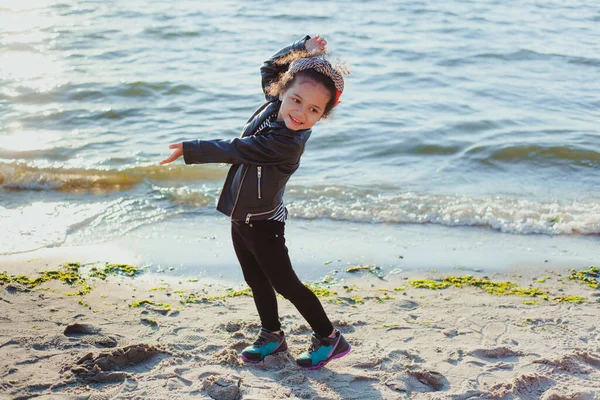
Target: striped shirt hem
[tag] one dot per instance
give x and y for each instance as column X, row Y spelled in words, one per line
column 280, row 214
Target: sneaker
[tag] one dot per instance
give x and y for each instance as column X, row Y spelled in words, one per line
column 323, row 350
column 267, row 343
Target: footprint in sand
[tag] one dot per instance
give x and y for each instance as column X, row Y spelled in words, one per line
column 521, row 387
column 576, row 375
column 492, row 332
column 579, row 362
column 485, row 379
column 183, row 339
column 566, row 393
column 418, row 380
column 222, row 387
column 127, row 386
column 565, row 334
column 105, row 367
column 496, row 352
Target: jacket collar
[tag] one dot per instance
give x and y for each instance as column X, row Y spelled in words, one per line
column 281, row 125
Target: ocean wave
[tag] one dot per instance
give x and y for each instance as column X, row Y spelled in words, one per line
column 81, row 117
column 189, row 196
column 519, row 55
column 507, row 215
column 94, row 90
column 535, row 154
column 310, row 17
column 19, row 177
column 168, row 33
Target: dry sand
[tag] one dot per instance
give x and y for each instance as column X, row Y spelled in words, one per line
column 413, row 343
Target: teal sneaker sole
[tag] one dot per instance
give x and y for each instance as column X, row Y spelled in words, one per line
column 321, row 364
column 248, row 360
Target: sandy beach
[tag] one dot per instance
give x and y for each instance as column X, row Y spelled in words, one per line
column 92, row 331
column 447, row 214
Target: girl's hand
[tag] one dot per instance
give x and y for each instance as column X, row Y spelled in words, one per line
column 316, row 45
column 177, row 152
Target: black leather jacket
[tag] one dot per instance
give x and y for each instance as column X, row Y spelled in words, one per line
column 262, row 164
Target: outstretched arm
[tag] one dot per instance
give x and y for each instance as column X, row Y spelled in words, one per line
column 252, row 150
column 248, row 150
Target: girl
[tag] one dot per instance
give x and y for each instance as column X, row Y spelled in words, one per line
column 301, row 88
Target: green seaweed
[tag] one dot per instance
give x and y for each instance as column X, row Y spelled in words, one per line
column 382, row 299
column 357, row 300
column 82, row 302
column 429, row 284
column 83, row 289
column 114, row 269
column 320, row 291
column 69, row 274
column 349, row 289
column 373, row 269
column 193, row 299
column 570, row 299
column 502, row 288
column 236, row 293
column 531, row 302
column 4, row 278
column 491, row 287
column 587, row 277
column 140, row 303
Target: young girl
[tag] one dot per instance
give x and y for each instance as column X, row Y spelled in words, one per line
column 301, row 88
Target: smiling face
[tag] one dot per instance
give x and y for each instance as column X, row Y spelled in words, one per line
column 303, row 104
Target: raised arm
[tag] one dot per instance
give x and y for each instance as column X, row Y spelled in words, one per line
column 271, row 69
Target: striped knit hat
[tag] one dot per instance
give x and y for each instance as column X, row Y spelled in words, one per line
column 324, row 67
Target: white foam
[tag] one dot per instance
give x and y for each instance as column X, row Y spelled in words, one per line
column 506, row 215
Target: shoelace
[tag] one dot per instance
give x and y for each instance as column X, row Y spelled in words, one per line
column 316, row 344
column 260, row 341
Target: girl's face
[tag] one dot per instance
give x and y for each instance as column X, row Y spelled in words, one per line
column 303, row 104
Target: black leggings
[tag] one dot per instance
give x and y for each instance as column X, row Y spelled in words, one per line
column 260, row 248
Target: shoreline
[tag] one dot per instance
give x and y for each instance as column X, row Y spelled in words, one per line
column 201, row 248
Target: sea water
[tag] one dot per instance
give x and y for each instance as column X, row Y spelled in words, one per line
column 476, row 115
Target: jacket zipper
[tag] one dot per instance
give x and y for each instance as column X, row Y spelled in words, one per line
column 238, row 193
column 249, row 215
column 259, row 173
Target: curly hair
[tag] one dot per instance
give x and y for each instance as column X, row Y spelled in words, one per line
column 285, row 80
